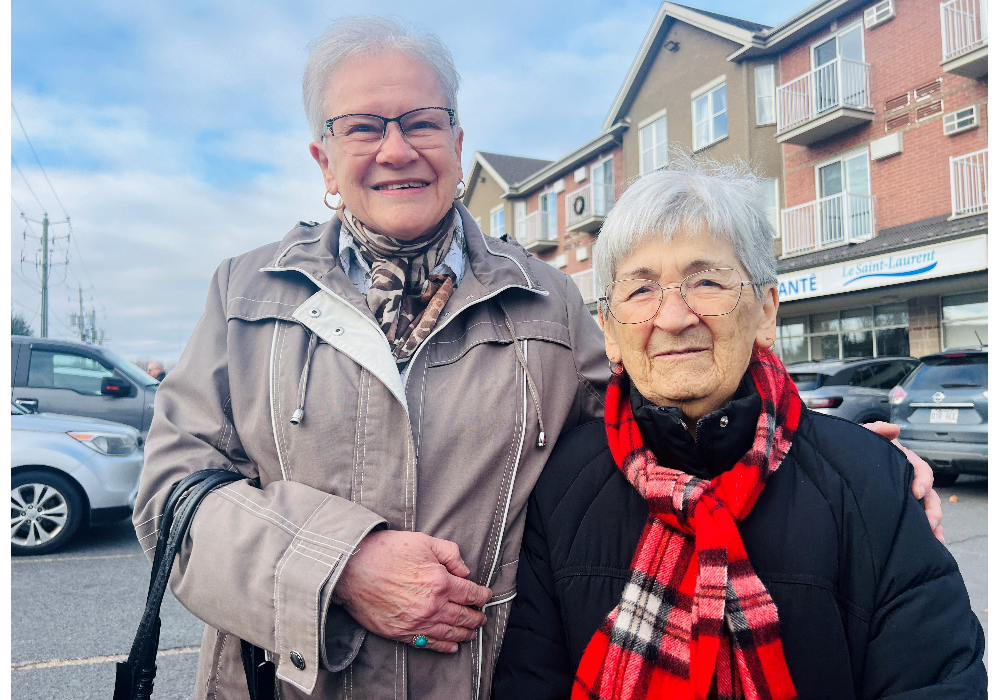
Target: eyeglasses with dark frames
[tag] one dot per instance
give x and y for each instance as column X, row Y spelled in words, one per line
column 714, row 292
column 362, row 134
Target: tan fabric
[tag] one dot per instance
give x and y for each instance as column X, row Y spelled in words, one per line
column 450, row 453
column 404, row 296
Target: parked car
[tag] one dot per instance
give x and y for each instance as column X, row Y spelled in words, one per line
column 66, row 471
column 854, row 389
column 67, row 377
column 943, row 412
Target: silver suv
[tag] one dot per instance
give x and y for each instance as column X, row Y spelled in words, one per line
column 855, row 389
column 76, row 379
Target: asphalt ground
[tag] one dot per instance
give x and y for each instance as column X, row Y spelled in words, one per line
column 74, row 612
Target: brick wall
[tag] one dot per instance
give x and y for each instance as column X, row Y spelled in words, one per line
column 904, row 53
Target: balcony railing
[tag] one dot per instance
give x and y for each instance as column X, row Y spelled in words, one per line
column 537, row 231
column 586, row 282
column 827, row 222
column 968, row 184
column 963, row 27
column 587, row 206
column 839, row 83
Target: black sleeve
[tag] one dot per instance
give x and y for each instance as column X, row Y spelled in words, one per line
column 925, row 641
column 534, row 660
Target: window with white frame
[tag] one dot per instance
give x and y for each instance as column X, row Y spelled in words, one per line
column 520, row 214
column 709, row 109
column 880, row 331
column 764, row 83
column 653, row 142
column 496, row 221
column 769, row 186
column 961, row 120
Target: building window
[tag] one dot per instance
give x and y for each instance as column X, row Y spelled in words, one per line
column 709, row 116
column 520, row 214
column 964, row 321
column 549, row 222
column 602, row 176
column 962, row 120
column 880, row 331
column 653, row 143
column 769, row 186
column 764, row 81
column 496, row 221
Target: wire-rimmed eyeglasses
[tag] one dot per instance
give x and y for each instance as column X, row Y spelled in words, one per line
column 361, row 134
column 715, row 292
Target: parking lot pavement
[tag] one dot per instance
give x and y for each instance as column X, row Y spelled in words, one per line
column 73, row 611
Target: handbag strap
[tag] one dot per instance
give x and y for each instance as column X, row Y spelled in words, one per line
column 134, row 677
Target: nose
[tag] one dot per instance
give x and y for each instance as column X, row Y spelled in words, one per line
column 395, row 150
column 674, row 315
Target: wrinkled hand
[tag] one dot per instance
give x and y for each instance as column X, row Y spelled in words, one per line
column 401, row 584
column 923, row 477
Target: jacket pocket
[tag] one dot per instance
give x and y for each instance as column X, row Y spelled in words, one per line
column 489, row 641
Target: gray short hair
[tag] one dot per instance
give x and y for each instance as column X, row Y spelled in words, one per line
column 368, row 34
column 726, row 198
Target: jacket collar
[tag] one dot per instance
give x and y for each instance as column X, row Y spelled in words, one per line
column 724, row 436
column 495, row 265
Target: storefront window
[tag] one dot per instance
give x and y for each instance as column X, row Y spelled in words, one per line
column 964, row 320
column 878, row 331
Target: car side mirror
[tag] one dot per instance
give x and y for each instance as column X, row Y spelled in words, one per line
column 112, row 386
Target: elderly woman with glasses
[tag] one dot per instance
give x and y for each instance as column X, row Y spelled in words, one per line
column 711, row 537
column 390, row 383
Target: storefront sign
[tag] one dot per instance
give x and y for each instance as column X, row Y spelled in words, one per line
column 925, row 262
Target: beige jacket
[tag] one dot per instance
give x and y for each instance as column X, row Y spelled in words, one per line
column 453, row 453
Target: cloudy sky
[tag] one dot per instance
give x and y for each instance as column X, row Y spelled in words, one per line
column 173, row 134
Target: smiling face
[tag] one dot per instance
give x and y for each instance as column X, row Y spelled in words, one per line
column 679, row 358
column 398, row 191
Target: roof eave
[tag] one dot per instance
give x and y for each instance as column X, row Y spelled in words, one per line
column 794, row 29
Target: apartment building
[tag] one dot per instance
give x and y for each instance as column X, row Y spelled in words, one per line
column 489, row 179
column 882, row 120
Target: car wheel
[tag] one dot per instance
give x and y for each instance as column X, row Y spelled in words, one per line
column 45, row 512
column 945, row 480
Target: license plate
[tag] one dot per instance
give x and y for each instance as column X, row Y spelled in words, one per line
column 944, row 415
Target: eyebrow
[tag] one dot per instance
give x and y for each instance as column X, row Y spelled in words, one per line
column 649, row 273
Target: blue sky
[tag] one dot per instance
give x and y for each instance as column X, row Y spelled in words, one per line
column 174, row 135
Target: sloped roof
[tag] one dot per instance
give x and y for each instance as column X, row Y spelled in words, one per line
column 513, row 169
column 735, row 21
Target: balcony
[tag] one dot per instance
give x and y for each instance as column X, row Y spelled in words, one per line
column 831, row 221
column 968, row 184
column 537, row 231
column 964, row 38
column 586, row 282
column 587, row 207
column 825, row 101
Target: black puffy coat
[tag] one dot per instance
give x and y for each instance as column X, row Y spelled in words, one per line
column 870, row 604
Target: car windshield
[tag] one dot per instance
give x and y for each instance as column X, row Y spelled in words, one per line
column 129, row 369
column 16, row 410
column 967, row 372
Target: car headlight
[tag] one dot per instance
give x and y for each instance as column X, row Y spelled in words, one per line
column 108, row 443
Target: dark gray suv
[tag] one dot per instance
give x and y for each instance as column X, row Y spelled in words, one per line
column 943, row 412
column 77, row 379
column 854, row 389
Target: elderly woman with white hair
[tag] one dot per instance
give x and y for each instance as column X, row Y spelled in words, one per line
column 390, row 383
column 712, row 538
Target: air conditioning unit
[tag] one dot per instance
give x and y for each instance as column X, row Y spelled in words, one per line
column 961, row 120
column 879, row 13
column 887, row 146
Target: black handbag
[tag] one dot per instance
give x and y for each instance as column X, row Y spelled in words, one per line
column 134, row 677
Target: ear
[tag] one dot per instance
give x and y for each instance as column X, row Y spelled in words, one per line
column 767, row 327
column 458, row 146
column 318, row 152
column 611, row 347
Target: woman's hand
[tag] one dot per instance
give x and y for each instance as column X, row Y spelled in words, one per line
column 923, row 477
column 401, row 584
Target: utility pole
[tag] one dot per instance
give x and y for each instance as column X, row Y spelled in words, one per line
column 44, row 332
column 79, row 319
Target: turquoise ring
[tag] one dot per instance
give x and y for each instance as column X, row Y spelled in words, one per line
column 420, row 641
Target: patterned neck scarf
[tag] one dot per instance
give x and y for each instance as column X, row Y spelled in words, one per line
column 404, row 296
column 694, row 608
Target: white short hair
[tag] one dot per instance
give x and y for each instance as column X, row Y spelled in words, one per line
column 368, row 34
column 726, row 198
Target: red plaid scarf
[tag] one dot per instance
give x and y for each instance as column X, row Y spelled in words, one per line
column 694, row 608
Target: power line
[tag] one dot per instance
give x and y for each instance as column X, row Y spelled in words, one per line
column 26, row 183
column 37, row 159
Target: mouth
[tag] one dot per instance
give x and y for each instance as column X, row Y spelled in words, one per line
column 401, row 185
column 681, row 353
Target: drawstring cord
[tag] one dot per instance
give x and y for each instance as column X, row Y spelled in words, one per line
column 300, row 412
column 531, row 383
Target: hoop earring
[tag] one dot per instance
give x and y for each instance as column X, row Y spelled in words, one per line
column 616, row 367
column 460, row 189
column 340, row 201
